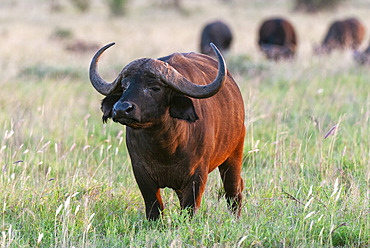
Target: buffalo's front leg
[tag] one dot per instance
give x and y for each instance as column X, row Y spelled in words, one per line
column 191, row 195
column 151, row 193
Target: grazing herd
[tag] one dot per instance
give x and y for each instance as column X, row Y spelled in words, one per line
column 277, row 38
column 184, row 113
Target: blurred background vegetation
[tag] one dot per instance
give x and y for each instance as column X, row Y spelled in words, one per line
column 118, row 7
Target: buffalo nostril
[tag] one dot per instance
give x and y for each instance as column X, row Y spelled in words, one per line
column 129, row 108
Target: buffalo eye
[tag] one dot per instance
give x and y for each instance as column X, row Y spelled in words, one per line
column 155, row 88
column 125, row 84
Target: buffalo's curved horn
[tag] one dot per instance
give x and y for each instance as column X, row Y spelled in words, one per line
column 179, row 83
column 96, row 80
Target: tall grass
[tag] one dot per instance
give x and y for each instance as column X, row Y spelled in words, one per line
column 66, row 179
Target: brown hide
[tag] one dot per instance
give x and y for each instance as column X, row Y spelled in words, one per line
column 176, row 152
column 277, row 38
column 343, row 34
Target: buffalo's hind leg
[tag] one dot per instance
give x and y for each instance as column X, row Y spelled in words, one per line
column 230, row 172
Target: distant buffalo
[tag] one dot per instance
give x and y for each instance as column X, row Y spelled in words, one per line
column 277, row 39
column 219, row 34
column 363, row 57
column 342, row 34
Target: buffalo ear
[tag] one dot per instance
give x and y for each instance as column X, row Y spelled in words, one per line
column 182, row 107
column 107, row 105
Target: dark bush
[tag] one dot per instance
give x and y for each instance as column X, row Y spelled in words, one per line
column 81, row 5
column 42, row 71
column 315, row 5
column 117, row 7
column 61, row 34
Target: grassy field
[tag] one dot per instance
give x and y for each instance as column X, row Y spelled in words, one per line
column 66, row 179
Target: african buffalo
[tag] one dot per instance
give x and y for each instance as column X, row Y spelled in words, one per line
column 219, row 34
column 179, row 128
column 342, row 34
column 277, row 39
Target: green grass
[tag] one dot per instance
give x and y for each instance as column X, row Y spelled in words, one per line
column 66, row 178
